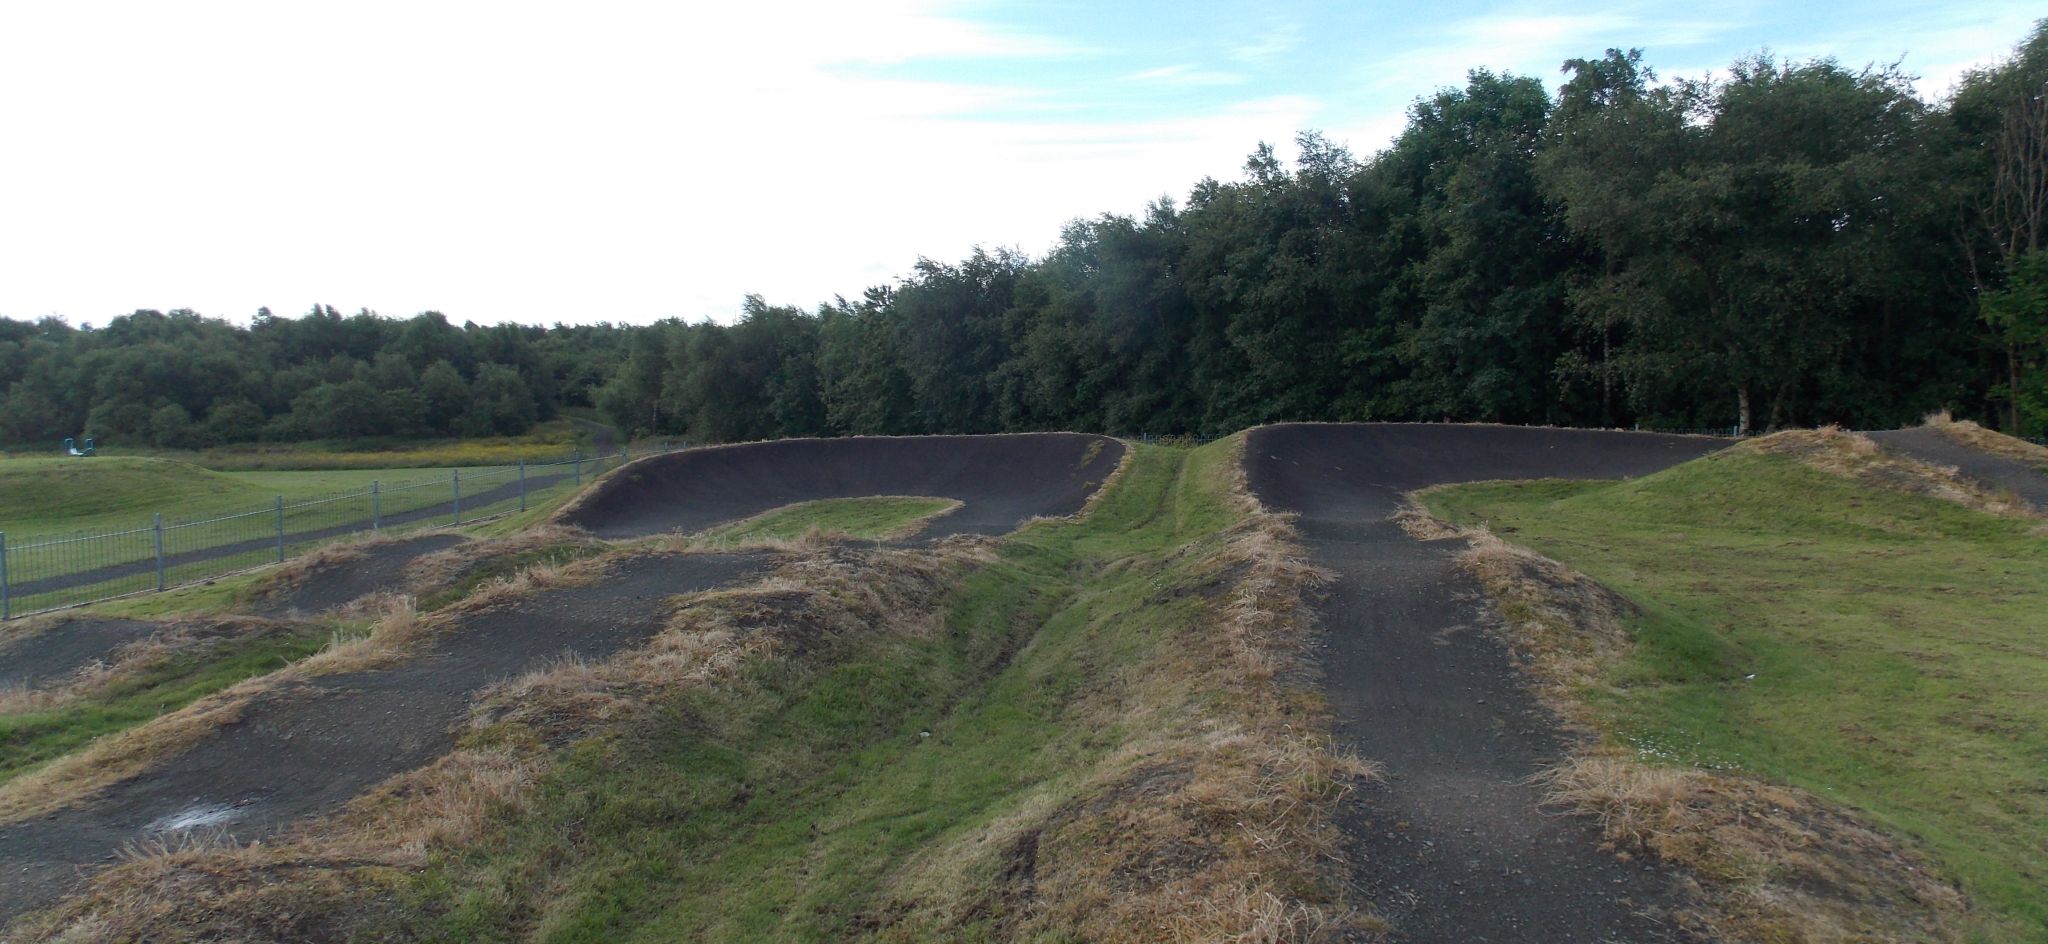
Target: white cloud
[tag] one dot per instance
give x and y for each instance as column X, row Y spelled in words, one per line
column 1275, row 42
column 1187, row 75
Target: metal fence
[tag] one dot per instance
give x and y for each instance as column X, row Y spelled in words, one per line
column 47, row 573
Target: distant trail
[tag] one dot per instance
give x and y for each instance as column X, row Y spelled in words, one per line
column 1929, row 445
column 1453, row 846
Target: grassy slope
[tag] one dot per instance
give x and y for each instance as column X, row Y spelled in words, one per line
column 801, row 805
column 862, row 518
column 30, row 738
column 43, row 497
column 1898, row 646
column 549, row 440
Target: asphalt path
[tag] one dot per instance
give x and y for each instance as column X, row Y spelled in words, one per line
column 2028, row 481
column 1000, row 480
column 1454, row 845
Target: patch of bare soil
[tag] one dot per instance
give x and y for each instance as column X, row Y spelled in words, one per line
column 1455, row 844
column 331, row 579
column 307, row 746
column 39, row 652
column 1001, row 480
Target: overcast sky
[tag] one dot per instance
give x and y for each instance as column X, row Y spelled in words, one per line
column 629, row 162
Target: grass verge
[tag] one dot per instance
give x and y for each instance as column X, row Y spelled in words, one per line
column 874, row 519
column 1101, row 728
column 1869, row 647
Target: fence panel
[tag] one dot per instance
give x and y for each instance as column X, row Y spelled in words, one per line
column 47, row 573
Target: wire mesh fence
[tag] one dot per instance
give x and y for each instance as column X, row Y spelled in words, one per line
column 49, row 573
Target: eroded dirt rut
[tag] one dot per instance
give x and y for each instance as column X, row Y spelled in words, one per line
column 306, row 748
column 1454, row 845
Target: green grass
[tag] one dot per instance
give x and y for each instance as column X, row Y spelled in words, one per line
column 550, row 440
column 54, row 497
column 795, row 804
column 1882, row 650
column 861, row 518
column 29, row 739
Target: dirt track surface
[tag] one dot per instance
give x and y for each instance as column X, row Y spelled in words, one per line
column 55, row 651
column 2029, row 482
column 1453, row 845
column 1000, row 480
column 310, row 747
column 381, row 567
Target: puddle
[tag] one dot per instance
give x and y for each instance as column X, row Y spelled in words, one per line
column 199, row 817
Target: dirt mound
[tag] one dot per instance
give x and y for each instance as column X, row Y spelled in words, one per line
column 311, row 746
column 2027, row 480
column 1001, row 480
column 349, row 574
column 55, row 650
column 1453, row 845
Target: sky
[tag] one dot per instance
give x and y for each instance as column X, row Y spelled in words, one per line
column 628, row 162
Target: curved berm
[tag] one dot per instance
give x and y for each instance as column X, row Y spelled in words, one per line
column 1454, row 844
column 1000, row 480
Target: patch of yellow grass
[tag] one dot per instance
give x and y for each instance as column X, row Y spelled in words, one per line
column 1859, row 458
column 1991, row 441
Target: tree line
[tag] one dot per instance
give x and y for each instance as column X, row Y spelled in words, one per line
column 1788, row 243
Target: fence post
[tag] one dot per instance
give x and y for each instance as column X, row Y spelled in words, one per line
column 159, row 552
column 6, row 605
column 522, row 485
column 280, row 529
column 458, row 497
column 579, row 467
column 376, row 507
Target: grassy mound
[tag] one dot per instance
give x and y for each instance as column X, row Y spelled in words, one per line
column 44, row 495
column 890, row 516
column 1878, row 646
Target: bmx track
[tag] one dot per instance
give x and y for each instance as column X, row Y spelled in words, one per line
column 1000, row 480
column 306, row 748
column 1453, row 845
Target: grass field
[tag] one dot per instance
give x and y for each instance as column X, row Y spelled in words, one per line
column 889, row 516
column 550, row 440
column 52, row 497
column 1883, row 650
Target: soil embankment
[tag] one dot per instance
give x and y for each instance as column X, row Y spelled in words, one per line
column 1000, row 480
column 1453, row 846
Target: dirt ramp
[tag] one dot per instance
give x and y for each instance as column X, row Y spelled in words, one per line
column 1000, row 480
column 352, row 574
column 1454, row 845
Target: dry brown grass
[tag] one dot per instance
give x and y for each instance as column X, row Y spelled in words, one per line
column 170, row 640
column 1859, row 458
column 1215, row 820
column 443, row 568
column 1991, row 441
column 1763, row 862
column 326, row 880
